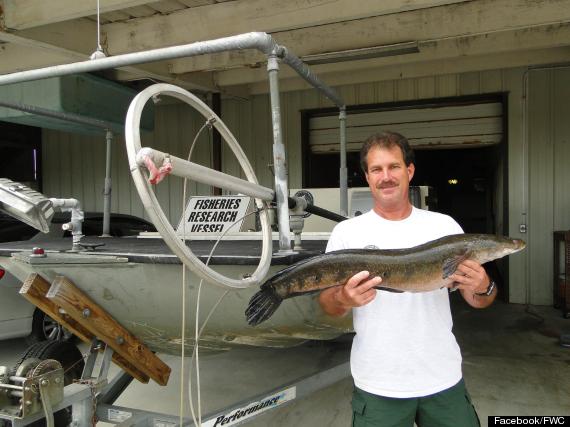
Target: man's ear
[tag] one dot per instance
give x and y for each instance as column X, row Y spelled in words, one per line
column 411, row 170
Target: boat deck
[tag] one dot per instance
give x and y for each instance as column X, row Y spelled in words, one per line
column 155, row 251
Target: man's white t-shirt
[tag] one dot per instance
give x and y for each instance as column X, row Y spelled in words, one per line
column 404, row 346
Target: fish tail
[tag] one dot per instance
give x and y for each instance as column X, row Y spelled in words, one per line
column 262, row 306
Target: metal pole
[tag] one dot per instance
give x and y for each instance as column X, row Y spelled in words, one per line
column 343, row 170
column 305, row 72
column 261, row 41
column 217, row 140
column 107, row 189
column 279, row 163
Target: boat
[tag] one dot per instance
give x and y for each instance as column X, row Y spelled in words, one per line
column 138, row 281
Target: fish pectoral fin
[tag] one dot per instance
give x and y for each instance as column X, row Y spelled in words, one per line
column 451, row 264
column 383, row 288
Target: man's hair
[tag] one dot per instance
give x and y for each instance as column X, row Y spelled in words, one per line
column 388, row 140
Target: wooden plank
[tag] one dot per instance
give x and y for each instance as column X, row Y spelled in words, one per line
column 66, row 295
column 469, row 35
column 35, row 288
column 220, row 20
column 50, row 45
column 167, row 6
column 22, row 14
column 140, row 11
column 384, row 71
column 116, row 16
column 508, row 48
column 196, row 3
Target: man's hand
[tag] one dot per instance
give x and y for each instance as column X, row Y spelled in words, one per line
column 471, row 276
column 471, row 279
column 358, row 291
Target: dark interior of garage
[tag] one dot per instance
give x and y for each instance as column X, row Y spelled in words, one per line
column 20, row 158
column 463, row 182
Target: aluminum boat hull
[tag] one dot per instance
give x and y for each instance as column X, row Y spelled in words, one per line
column 146, row 298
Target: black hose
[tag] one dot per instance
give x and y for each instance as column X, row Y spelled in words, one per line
column 318, row 211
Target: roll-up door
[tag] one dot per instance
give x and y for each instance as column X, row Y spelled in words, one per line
column 446, row 126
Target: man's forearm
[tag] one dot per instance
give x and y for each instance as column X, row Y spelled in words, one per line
column 328, row 300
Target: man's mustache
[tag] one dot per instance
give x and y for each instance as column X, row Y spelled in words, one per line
column 387, row 184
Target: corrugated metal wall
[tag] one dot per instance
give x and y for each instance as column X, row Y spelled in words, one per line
column 548, row 172
column 74, row 164
column 67, row 156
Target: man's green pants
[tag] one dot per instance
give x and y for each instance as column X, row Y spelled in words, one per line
column 451, row 407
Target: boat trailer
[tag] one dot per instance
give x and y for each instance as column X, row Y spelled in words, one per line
column 35, row 390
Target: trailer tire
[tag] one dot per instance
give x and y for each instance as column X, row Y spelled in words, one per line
column 44, row 328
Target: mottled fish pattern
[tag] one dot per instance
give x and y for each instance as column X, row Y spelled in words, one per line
column 422, row 268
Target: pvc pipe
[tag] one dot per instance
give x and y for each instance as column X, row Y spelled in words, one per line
column 75, row 225
column 205, row 175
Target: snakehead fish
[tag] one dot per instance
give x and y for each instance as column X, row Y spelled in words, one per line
column 422, row 268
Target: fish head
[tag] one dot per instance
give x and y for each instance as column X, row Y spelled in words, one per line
column 488, row 247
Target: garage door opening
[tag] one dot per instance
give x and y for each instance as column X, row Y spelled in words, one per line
column 21, row 154
column 460, row 146
column 466, row 184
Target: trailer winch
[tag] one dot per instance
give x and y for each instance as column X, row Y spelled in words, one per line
column 33, row 386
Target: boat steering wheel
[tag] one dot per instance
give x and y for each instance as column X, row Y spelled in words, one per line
column 153, row 208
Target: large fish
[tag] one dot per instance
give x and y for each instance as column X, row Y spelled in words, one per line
column 421, row 268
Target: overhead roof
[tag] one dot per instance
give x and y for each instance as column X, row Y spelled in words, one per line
column 451, row 35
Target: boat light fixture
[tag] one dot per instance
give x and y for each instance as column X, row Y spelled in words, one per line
column 25, row 204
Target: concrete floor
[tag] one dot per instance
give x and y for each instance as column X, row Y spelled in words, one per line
column 513, row 365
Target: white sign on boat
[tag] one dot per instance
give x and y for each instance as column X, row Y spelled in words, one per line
column 213, row 214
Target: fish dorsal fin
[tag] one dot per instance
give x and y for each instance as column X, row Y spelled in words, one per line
column 451, row 264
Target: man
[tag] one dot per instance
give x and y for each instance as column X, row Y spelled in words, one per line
column 405, row 361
